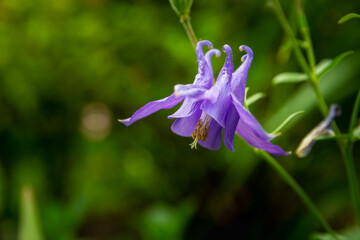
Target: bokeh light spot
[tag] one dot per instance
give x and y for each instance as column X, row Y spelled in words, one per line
column 96, row 121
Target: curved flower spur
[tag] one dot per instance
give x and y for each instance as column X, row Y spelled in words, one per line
column 208, row 109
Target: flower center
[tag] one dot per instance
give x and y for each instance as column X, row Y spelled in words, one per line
column 201, row 130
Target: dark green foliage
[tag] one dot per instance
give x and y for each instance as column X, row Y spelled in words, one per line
column 69, row 69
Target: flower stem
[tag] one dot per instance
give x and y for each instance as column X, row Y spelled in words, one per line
column 305, row 32
column 352, row 178
column 354, row 117
column 287, row 28
column 297, row 189
column 186, row 23
column 320, row 99
column 346, row 150
column 320, row 138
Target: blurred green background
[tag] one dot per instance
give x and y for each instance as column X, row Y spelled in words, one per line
column 69, row 69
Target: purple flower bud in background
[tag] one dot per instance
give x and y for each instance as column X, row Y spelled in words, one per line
column 322, row 129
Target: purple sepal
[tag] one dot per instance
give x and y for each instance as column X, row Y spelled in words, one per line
column 246, row 132
column 152, row 107
column 239, row 77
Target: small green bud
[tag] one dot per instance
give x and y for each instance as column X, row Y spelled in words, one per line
column 181, row 7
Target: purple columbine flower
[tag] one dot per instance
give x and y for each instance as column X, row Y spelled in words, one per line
column 208, row 109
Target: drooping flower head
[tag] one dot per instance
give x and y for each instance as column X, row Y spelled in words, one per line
column 207, row 109
column 210, row 118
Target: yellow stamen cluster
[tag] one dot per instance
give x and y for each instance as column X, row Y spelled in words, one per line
column 201, row 131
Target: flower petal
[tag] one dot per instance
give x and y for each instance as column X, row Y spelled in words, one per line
column 214, row 140
column 231, row 123
column 152, row 107
column 204, row 78
column 308, row 141
column 335, row 110
column 217, row 107
column 186, row 126
column 189, row 90
column 250, row 121
column 246, row 132
column 208, row 56
column 238, row 81
column 188, row 108
column 228, row 68
column 322, row 129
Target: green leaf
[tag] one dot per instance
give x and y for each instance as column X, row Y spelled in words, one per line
column 245, row 98
column 357, row 131
column 289, row 77
column 348, row 16
column 29, row 219
column 326, row 236
column 282, row 125
column 326, row 65
column 254, row 98
column 303, row 98
column 348, row 234
column 321, row 68
column 322, row 65
column 181, row 7
column 246, row 91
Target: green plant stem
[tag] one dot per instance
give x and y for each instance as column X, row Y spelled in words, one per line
column 297, row 189
column 287, row 28
column 346, row 151
column 354, row 117
column 186, row 23
column 320, row 138
column 344, row 136
column 352, row 178
column 320, row 99
column 305, row 32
